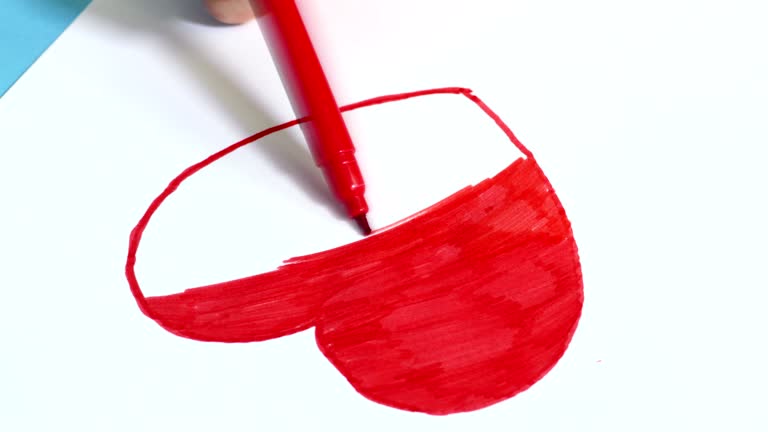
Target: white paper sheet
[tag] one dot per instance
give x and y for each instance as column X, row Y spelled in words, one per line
column 648, row 118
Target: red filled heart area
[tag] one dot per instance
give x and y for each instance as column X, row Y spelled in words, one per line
column 462, row 306
column 475, row 311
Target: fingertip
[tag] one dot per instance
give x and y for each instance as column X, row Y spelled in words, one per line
column 232, row 12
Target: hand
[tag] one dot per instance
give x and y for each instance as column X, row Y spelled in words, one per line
column 230, row 11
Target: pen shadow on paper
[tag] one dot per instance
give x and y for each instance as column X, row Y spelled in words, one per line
column 155, row 18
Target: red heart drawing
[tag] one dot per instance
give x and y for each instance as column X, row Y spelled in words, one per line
column 456, row 308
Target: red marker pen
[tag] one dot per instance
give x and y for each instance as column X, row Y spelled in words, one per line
column 312, row 97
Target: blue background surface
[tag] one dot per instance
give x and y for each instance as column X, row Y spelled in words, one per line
column 27, row 28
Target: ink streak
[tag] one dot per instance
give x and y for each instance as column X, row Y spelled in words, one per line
column 459, row 307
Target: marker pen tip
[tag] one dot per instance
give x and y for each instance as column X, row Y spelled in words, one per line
column 362, row 222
